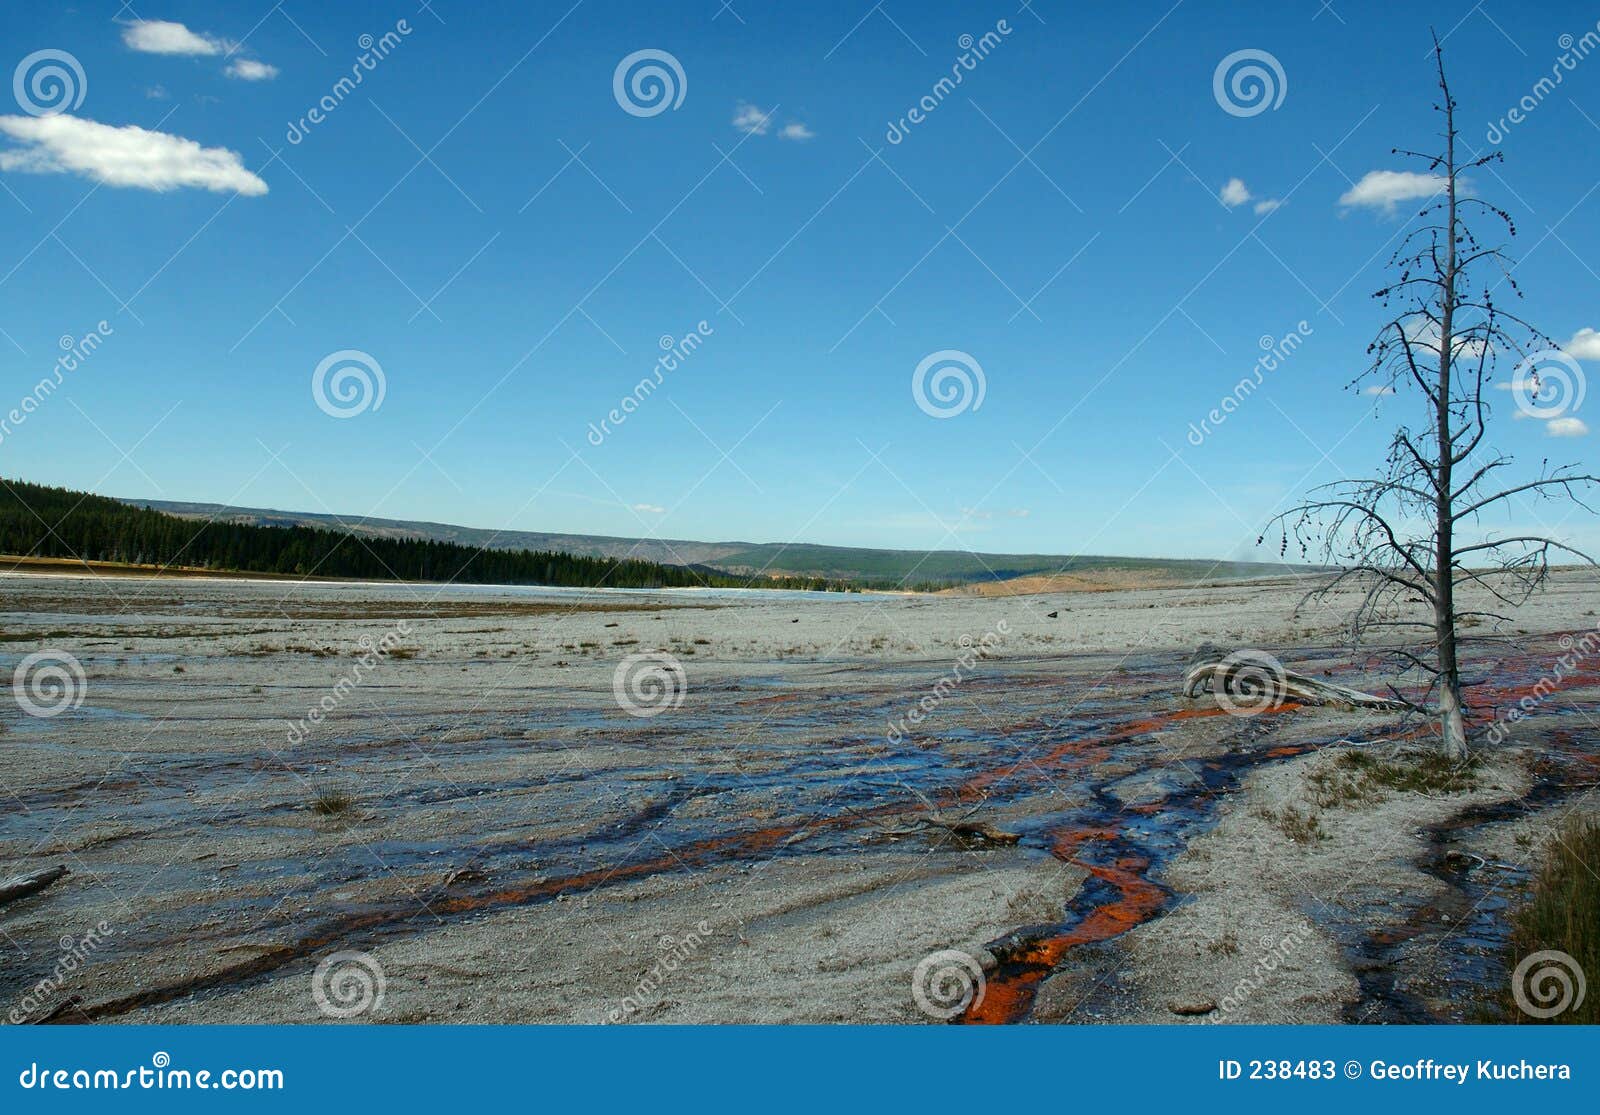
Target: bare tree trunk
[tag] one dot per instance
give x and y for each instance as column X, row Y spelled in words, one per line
column 1452, row 721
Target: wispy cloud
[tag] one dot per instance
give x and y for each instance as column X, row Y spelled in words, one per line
column 1566, row 427
column 649, row 509
column 1377, row 389
column 248, row 69
column 1235, row 193
column 157, row 36
column 1385, row 189
column 129, row 156
column 796, row 131
column 751, row 120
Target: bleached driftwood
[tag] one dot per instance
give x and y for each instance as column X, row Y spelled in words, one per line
column 1255, row 680
column 33, row 882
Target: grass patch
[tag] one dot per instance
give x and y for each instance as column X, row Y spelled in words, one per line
column 331, row 803
column 1363, row 777
column 1300, row 828
column 1563, row 914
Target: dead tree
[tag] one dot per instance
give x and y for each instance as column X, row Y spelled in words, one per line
column 1418, row 531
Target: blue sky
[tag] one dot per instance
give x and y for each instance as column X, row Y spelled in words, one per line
column 485, row 220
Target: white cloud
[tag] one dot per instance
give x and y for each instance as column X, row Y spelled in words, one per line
column 1384, row 189
column 1378, row 389
column 751, row 120
column 128, row 156
column 157, row 93
column 1585, row 345
column 649, row 509
column 155, row 36
column 1234, row 194
column 1566, row 427
column 796, row 130
column 248, row 69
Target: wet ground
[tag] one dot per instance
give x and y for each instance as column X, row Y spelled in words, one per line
column 452, row 784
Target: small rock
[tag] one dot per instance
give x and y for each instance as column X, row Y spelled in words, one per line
column 1192, row 1007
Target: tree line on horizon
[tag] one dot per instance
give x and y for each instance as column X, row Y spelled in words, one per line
column 46, row 522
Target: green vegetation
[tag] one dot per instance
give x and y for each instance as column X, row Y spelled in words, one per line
column 1358, row 777
column 1563, row 914
column 37, row 521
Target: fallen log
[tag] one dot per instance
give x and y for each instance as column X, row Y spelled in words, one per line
column 33, row 882
column 1251, row 680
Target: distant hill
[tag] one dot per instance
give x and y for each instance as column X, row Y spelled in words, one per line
column 751, row 559
column 40, row 523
